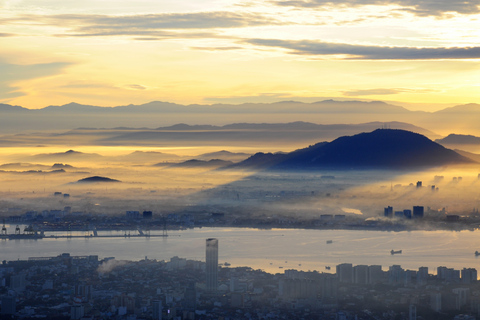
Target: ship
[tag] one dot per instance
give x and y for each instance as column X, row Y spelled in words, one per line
column 395, row 252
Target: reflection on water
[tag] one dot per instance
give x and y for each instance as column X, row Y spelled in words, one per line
column 273, row 250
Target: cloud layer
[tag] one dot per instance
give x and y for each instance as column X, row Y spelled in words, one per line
column 349, row 51
column 418, row 7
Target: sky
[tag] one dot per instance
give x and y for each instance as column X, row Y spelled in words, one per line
column 110, row 53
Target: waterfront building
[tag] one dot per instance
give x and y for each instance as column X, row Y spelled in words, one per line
column 375, row 274
column 388, row 211
column 418, row 212
column 422, row 275
column 211, row 258
column 360, row 274
column 469, row 275
column 407, row 213
column 345, row 273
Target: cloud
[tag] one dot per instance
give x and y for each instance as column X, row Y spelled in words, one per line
column 370, row 92
column 362, row 52
column 384, row 91
column 417, row 7
column 136, row 87
column 217, row 48
column 12, row 73
column 153, row 26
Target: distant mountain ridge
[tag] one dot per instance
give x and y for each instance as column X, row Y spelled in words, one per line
column 15, row 119
column 459, row 139
column 323, row 106
column 379, row 149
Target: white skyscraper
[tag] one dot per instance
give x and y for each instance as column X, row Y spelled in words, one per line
column 211, row 258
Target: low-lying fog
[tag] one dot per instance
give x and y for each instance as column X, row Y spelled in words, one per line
column 28, row 181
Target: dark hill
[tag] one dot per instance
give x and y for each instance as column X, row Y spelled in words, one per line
column 97, row 179
column 380, row 149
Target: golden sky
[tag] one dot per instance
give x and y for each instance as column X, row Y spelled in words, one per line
column 110, row 53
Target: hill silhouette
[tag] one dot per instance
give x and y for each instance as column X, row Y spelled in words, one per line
column 195, row 163
column 97, row 179
column 379, row 149
column 459, row 139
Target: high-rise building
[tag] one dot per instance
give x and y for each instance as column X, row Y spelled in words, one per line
column 375, row 274
column 360, row 274
column 388, row 211
column 418, row 212
column 345, row 273
column 157, row 309
column 211, row 258
column 469, row 275
column 422, row 275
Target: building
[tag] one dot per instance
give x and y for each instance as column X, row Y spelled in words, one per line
column 345, row 273
column 360, row 274
column 407, row 213
column 17, row 282
column 418, row 212
column 148, row 215
column 388, row 211
column 8, row 305
column 412, row 312
column 375, row 274
column 157, row 309
column 190, row 297
column 132, row 214
column 77, row 311
column 211, row 258
column 469, row 275
column 422, row 275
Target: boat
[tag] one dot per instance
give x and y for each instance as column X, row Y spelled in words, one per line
column 329, row 241
column 395, row 252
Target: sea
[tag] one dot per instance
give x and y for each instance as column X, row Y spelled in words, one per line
column 272, row 250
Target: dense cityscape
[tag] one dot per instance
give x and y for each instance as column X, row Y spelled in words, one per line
column 87, row 287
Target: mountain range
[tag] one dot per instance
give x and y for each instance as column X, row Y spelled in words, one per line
column 73, row 115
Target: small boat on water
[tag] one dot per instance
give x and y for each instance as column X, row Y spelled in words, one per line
column 395, row 252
